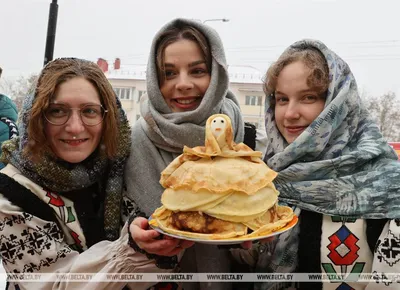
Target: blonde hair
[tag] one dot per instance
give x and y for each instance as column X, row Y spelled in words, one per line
column 318, row 79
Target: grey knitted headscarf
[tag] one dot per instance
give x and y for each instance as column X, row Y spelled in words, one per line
column 160, row 135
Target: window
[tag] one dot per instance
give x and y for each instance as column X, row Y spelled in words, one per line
column 123, row 93
column 253, row 101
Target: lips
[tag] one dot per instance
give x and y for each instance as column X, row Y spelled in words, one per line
column 295, row 129
column 74, row 142
column 187, row 103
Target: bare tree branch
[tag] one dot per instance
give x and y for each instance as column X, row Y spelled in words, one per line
column 386, row 111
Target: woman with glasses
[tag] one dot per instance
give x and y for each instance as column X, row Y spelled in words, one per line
column 61, row 190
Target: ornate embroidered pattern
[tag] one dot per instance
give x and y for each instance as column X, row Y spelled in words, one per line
column 130, row 208
column 15, row 220
column 46, row 262
column 64, row 209
column 381, row 278
column 343, row 252
column 343, row 247
column 30, row 241
column 127, row 207
column 75, row 236
column 388, row 250
column 55, row 200
column 344, row 286
column 65, row 212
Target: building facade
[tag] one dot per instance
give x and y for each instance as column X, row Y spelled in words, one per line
column 129, row 83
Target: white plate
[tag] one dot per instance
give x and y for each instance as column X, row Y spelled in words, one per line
column 232, row 241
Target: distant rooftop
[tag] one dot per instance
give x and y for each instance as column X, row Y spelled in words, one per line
column 131, row 72
column 237, row 73
column 244, row 74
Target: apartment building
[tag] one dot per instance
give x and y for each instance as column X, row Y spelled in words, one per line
column 129, row 83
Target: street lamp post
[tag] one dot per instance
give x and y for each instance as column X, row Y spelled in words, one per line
column 216, row 19
column 51, row 32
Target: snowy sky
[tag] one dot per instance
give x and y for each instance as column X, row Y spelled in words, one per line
column 364, row 32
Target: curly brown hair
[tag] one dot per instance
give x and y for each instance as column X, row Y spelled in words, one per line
column 175, row 34
column 318, row 79
column 56, row 73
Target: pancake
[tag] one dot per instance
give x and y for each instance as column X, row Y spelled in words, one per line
column 225, row 230
column 221, row 190
column 229, row 204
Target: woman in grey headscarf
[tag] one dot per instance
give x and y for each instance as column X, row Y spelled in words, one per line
column 187, row 82
column 335, row 169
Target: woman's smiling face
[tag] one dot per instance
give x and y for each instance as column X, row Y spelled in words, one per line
column 74, row 141
column 186, row 76
column 296, row 104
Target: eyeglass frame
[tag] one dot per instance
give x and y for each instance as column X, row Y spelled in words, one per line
column 80, row 114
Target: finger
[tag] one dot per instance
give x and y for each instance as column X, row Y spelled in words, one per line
column 141, row 222
column 175, row 251
column 159, row 247
column 175, row 248
column 141, row 235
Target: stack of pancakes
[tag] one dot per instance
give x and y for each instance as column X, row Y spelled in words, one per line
column 222, row 190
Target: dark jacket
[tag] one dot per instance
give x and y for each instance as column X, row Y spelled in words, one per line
column 8, row 118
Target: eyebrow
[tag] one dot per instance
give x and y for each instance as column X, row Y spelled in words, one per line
column 66, row 104
column 197, row 62
column 302, row 92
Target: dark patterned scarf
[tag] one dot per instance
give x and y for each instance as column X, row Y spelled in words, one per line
column 61, row 176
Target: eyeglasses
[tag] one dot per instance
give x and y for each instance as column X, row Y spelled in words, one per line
column 91, row 115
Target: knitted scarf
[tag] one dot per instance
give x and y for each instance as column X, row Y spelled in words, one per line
column 61, row 176
column 160, row 135
column 340, row 165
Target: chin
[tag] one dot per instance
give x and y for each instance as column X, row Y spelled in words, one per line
column 74, row 155
column 290, row 139
column 74, row 159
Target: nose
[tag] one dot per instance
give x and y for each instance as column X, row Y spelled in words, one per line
column 74, row 124
column 292, row 111
column 184, row 82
